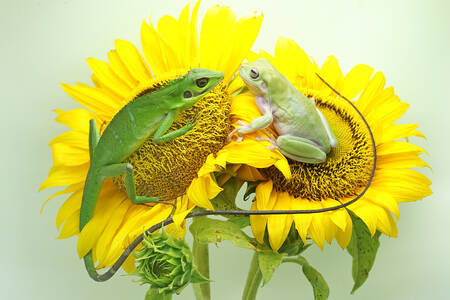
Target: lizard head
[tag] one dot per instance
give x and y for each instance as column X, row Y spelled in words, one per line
column 196, row 84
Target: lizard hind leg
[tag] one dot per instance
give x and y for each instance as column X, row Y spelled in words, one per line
column 127, row 169
column 94, row 137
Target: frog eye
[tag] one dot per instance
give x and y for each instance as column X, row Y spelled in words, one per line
column 187, row 94
column 254, row 74
column 202, row 82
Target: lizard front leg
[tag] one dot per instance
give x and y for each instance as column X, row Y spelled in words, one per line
column 127, row 169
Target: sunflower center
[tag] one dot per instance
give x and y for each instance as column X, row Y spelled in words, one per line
column 348, row 167
column 166, row 170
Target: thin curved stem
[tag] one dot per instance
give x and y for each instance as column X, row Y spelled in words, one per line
column 108, row 274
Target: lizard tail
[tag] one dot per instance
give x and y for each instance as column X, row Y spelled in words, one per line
column 90, row 266
column 91, row 192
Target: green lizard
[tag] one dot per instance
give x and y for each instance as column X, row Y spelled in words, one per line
column 144, row 117
column 304, row 133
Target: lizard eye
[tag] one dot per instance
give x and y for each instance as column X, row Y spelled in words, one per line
column 187, row 94
column 254, row 74
column 202, row 82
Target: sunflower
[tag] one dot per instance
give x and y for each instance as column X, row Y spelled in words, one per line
column 348, row 167
column 179, row 169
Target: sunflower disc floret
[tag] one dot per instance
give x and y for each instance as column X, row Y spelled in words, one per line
column 166, row 263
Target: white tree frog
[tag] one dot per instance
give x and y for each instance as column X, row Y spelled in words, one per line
column 303, row 131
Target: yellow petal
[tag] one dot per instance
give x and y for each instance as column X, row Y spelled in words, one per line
column 243, row 107
column 343, row 237
column 71, row 226
column 244, row 35
column 160, row 56
column 212, row 189
column 133, row 60
column 278, row 226
column 401, row 161
column 121, row 70
column 216, row 36
column 107, row 202
column 77, row 119
column 283, row 166
column 302, row 221
column 198, row 194
column 258, row 225
column 69, row 207
column 72, row 138
column 94, row 99
column 316, row 229
column 70, row 189
column 367, row 212
column 331, row 73
column 407, row 185
column 104, row 241
column 386, row 223
column 105, row 74
column 65, row 175
column 293, row 62
column 355, row 81
column 248, row 173
column 373, row 88
column 263, row 195
column 250, row 152
column 398, row 148
column 129, row 264
column 396, row 132
column 65, row 155
column 383, row 199
column 339, row 216
column 213, row 164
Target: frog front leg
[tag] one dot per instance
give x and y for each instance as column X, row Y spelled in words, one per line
column 300, row 149
column 256, row 124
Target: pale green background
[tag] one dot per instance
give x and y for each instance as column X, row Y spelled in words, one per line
column 43, row 43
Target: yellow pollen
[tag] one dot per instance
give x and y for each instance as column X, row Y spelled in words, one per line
column 166, row 170
column 347, row 168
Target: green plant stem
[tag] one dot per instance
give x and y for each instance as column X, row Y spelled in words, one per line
column 253, row 280
column 202, row 291
column 152, row 294
column 298, row 260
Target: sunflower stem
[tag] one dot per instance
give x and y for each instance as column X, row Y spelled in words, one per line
column 254, row 278
column 202, row 291
column 153, row 294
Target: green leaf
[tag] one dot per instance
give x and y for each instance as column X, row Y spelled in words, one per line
column 241, row 221
column 206, row 230
column 320, row 286
column 197, row 277
column 225, row 200
column 363, row 248
column 268, row 262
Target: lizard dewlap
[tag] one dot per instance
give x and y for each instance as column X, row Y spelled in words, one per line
column 348, row 166
column 166, row 170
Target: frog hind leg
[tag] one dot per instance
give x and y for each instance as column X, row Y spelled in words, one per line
column 300, row 149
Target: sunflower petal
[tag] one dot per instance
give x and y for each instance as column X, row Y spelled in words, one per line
column 258, row 225
column 278, row 225
column 355, row 81
column 105, row 74
column 198, row 192
column 133, row 60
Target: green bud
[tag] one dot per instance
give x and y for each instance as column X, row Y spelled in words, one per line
column 165, row 263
